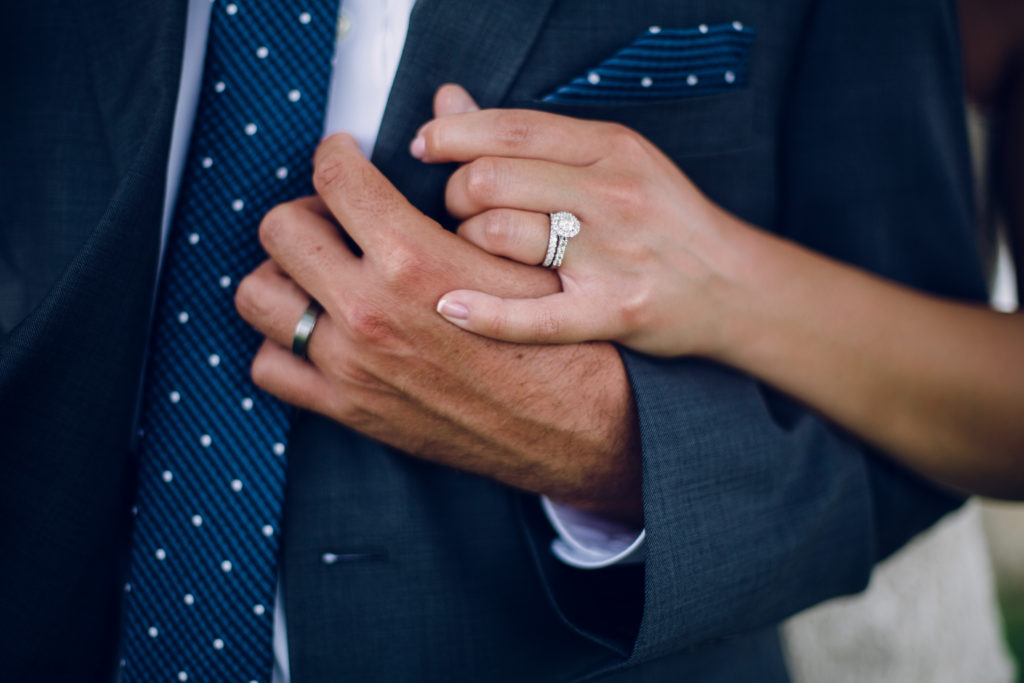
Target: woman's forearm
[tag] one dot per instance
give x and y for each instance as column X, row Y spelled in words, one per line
column 938, row 385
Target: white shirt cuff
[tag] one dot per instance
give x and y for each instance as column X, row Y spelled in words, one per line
column 587, row 541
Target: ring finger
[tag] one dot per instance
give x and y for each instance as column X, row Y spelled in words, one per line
column 272, row 303
column 519, row 235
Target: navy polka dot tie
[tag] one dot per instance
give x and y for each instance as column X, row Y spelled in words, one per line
column 201, row 585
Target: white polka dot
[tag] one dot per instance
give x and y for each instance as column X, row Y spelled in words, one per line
column 183, row 317
column 189, row 599
column 278, row 448
column 703, row 28
column 219, row 86
column 225, row 566
column 646, row 82
column 174, row 396
column 655, row 29
column 691, row 79
column 160, row 554
column 268, row 530
column 205, row 440
column 262, row 52
column 246, row 403
column 282, row 172
column 207, row 162
column 153, row 632
column 168, row 476
column 127, row 588
column 213, row 360
column 224, row 281
column 304, row 18
column 135, row 510
column 250, row 129
column 593, row 78
column 237, row 205
column 258, row 610
column 236, row 485
column 193, row 238
column 231, row 9
column 328, row 558
column 730, row 77
column 182, row 676
column 197, row 520
column 294, row 95
column 737, row 25
column 218, row 644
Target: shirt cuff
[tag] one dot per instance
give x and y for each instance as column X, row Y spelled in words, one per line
column 586, row 541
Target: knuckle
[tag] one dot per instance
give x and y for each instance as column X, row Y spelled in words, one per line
column 248, row 301
column 546, row 326
column 511, row 128
column 332, row 170
column 370, row 324
column 403, row 264
column 626, row 195
column 622, row 140
column 481, row 179
column 498, row 229
column 277, row 224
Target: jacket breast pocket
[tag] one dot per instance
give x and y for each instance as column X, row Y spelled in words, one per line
column 686, row 90
column 665, row 64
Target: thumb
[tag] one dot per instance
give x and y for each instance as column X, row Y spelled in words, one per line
column 451, row 98
column 553, row 319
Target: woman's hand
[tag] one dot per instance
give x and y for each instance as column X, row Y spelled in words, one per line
column 648, row 266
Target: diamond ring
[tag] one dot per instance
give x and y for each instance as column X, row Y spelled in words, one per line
column 564, row 226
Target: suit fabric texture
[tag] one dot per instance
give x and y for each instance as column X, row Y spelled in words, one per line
column 847, row 135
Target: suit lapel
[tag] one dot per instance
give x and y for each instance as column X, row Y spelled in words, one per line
column 480, row 45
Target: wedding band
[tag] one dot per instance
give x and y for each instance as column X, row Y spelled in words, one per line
column 564, row 226
column 304, row 328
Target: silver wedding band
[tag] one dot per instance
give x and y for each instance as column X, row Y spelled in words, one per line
column 304, row 329
column 564, row 226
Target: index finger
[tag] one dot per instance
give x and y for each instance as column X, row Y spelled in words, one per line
column 513, row 133
column 370, row 209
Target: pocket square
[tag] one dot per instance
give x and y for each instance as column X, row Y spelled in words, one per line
column 666, row 63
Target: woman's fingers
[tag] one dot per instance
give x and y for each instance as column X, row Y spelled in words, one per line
column 510, row 132
column 555, row 319
column 527, row 184
column 519, row 235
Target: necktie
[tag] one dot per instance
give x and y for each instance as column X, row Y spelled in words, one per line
column 212, row 452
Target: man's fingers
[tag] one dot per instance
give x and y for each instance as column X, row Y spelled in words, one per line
column 307, row 246
column 370, row 209
column 271, row 302
column 278, row 371
column 553, row 319
column 513, row 133
column 519, row 235
column 527, row 184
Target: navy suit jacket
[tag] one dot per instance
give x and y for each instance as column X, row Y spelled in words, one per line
column 848, row 136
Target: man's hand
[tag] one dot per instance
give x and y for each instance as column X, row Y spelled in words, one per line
column 552, row 420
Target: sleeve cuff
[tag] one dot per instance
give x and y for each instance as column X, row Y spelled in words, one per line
column 586, row 541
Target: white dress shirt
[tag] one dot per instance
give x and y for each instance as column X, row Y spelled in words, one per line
column 370, row 38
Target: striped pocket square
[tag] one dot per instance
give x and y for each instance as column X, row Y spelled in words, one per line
column 664, row 64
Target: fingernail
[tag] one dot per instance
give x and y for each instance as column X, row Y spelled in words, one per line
column 452, row 310
column 418, row 147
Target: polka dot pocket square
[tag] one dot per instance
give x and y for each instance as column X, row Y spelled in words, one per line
column 666, row 64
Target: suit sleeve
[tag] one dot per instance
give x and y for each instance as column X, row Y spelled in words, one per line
column 755, row 507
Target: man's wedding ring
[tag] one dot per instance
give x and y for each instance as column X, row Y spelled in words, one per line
column 304, row 328
column 564, row 226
